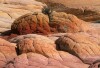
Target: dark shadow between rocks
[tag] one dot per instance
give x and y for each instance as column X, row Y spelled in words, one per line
column 6, row 33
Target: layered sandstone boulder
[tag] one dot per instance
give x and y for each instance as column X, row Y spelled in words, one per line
column 31, row 23
column 36, row 44
column 46, row 24
column 83, row 45
column 7, row 52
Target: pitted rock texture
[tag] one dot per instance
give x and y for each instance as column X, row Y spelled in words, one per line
column 83, row 45
column 31, row 23
column 34, row 60
column 68, row 23
column 12, row 9
column 7, row 52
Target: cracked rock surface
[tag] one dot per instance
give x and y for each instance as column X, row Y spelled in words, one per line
column 83, row 45
column 64, row 22
column 31, row 23
column 30, row 60
column 40, row 52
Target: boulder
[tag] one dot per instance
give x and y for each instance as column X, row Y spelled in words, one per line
column 67, row 23
column 7, row 52
column 31, row 23
column 36, row 44
column 83, row 45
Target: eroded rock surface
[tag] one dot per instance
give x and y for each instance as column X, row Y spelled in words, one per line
column 68, row 23
column 83, row 45
column 39, row 51
column 45, row 24
column 31, row 23
column 30, row 60
column 7, row 52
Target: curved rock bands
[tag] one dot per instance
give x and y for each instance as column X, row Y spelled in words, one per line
column 81, row 45
column 39, row 51
column 31, row 23
column 39, row 23
column 30, row 60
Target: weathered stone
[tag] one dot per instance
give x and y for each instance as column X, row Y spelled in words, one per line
column 30, row 60
column 63, row 22
column 36, row 44
column 83, row 45
column 31, row 23
column 7, row 52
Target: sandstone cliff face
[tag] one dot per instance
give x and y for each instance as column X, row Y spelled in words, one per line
column 12, row 9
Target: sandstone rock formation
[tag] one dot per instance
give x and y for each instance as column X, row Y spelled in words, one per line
column 39, row 51
column 31, row 23
column 30, row 60
column 37, row 44
column 7, row 52
column 12, row 9
column 83, row 45
column 68, row 23
column 68, row 42
column 39, row 23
